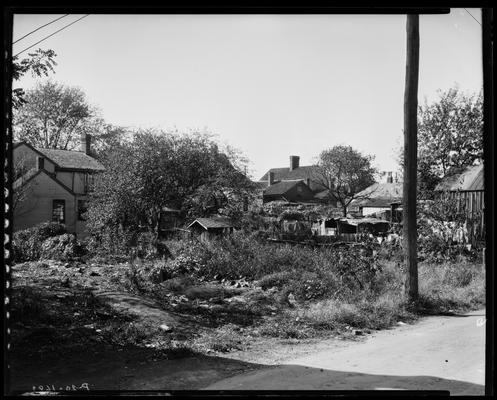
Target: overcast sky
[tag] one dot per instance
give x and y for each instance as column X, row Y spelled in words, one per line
column 270, row 85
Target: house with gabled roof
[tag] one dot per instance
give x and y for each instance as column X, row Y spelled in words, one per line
column 379, row 197
column 294, row 183
column 52, row 185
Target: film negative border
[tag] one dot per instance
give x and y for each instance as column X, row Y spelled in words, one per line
column 7, row 189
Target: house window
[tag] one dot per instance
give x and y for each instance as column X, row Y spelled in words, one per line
column 89, row 181
column 59, row 211
column 82, row 207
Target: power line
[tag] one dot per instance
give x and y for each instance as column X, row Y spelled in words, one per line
column 472, row 16
column 46, row 37
column 37, row 29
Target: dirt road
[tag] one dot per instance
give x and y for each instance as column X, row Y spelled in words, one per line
column 437, row 353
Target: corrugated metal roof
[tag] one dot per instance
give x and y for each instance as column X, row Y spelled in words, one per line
column 209, row 223
column 470, row 179
column 72, row 159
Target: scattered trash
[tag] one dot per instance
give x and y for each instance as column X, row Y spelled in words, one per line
column 291, row 300
column 165, row 328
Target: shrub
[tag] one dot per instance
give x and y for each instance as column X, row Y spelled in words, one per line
column 27, row 243
column 61, row 247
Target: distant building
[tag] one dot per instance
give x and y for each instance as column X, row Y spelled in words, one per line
column 209, row 228
column 378, row 197
column 294, row 183
column 291, row 191
column 52, row 185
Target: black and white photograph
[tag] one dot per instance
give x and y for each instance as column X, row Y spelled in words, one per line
column 254, row 202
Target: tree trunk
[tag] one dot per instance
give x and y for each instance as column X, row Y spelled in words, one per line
column 410, row 157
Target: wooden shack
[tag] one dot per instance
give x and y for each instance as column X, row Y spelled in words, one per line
column 467, row 187
column 206, row 229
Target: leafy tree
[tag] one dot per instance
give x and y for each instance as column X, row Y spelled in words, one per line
column 163, row 169
column 344, row 172
column 450, row 136
column 40, row 63
column 55, row 116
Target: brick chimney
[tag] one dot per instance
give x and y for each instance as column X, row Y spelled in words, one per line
column 85, row 143
column 270, row 178
column 41, row 163
column 389, row 177
column 294, row 162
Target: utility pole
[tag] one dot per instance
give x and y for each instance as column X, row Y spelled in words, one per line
column 411, row 157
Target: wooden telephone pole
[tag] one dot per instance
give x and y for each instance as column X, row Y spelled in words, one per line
column 410, row 157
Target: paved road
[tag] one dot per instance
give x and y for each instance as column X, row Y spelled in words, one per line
column 437, row 353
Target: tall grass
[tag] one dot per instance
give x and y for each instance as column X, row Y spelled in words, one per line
column 334, row 287
column 451, row 286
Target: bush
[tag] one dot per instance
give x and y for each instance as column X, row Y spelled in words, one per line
column 287, row 267
column 28, row 242
column 62, row 247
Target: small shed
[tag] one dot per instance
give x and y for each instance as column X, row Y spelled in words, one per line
column 209, row 228
column 468, row 189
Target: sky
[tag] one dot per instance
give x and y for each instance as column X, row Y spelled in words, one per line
column 269, row 85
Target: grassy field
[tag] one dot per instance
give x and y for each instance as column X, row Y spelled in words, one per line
column 224, row 295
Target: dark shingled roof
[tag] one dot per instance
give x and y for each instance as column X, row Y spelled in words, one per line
column 280, row 187
column 213, row 222
column 72, row 159
column 468, row 180
column 283, row 174
column 322, row 195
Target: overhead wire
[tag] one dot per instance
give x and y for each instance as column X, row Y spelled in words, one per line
column 46, row 37
column 472, row 16
column 37, row 29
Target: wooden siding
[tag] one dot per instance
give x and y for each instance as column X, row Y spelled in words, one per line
column 474, row 206
column 37, row 207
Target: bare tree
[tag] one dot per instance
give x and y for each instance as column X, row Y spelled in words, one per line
column 55, row 116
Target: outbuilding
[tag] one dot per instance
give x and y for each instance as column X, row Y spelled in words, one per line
column 209, row 228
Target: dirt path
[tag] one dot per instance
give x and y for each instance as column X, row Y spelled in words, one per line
column 144, row 309
column 437, row 353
